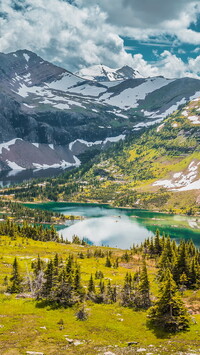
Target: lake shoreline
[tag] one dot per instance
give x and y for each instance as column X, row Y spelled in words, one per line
column 111, row 206
column 118, row 226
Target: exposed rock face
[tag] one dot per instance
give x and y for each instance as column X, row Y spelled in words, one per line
column 42, row 103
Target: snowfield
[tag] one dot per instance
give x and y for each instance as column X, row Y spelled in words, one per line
column 183, row 181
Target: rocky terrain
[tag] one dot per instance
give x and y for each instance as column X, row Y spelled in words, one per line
column 44, row 106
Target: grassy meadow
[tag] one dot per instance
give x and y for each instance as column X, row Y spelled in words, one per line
column 30, row 325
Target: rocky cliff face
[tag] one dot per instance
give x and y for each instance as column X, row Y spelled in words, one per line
column 46, row 105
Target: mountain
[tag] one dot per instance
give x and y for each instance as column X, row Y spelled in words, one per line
column 104, row 73
column 158, row 170
column 44, row 106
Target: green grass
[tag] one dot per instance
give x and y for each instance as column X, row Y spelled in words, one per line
column 108, row 327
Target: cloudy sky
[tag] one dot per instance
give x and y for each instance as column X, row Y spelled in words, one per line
column 155, row 37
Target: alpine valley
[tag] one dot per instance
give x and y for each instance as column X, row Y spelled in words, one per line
column 117, row 232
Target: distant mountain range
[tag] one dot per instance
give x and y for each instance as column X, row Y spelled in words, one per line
column 104, row 73
column 49, row 115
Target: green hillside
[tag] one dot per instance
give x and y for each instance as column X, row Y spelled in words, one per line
column 127, row 174
column 158, row 169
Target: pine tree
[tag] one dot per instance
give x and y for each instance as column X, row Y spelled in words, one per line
column 82, row 313
column 109, row 292
column 15, row 279
column 181, row 265
column 108, row 262
column 194, row 273
column 62, row 292
column 169, row 312
column 37, row 266
column 126, row 296
column 77, row 282
column 101, row 287
column 167, row 258
column 144, row 287
column 157, row 243
column 48, row 275
column 91, row 285
column 69, row 265
column 183, row 282
column 151, row 247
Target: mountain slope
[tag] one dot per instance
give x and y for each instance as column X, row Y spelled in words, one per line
column 43, row 104
column 157, row 170
column 161, row 169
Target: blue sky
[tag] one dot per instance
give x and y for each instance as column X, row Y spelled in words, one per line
column 153, row 36
column 154, row 46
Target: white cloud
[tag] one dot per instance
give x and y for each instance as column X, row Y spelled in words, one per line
column 153, row 17
column 62, row 33
column 88, row 34
column 167, row 65
column 196, row 50
column 194, row 64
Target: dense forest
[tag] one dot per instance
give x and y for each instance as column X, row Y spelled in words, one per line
column 19, row 212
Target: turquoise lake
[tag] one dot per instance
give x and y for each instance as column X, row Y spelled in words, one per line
column 117, row 227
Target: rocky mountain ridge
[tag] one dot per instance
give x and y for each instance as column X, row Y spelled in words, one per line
column 43, row 104
column 103, row 73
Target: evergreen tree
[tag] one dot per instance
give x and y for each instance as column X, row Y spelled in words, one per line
column 181, row 265
column 82, row 313
column 91, row 285
column 77, row 282
column 69, row 265
column 62, row 292
column 157, row 243
column 126, row 296
column 48, row 276
column 194, row 273
column 167, row 258
column 169, row 312
column 108, row 262
column 109, row 293
column 37, row 266
column 101, row 287
column 15, row 279
column 144, row 287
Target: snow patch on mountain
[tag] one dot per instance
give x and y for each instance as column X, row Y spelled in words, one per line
column 129, row 98
column 171, row 109
column 26, row 56
column 114, row 139
column 182, row 181
column 65, row 82
column 63, row 164
column 103, row 73
column 100, row 142
column 14, row 166
column 141, row 125
column 97, row 71
column 8, row 144
column 194, row 119
column 62, row 106
column 195, row 97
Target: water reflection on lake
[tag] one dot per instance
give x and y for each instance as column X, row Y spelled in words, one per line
column 112, row 231
column 10, row 178
column 123, row 227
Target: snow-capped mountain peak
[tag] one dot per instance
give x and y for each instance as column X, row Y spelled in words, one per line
column 44, row 104
column 104, row 73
